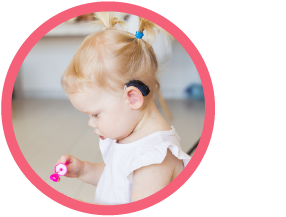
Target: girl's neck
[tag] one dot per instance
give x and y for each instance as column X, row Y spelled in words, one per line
column 151, row 121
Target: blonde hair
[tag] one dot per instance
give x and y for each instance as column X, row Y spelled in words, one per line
column 112, row 57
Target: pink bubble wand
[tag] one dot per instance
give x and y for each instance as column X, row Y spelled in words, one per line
column 60, row 170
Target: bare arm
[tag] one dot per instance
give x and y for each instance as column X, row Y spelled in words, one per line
column 150, row 179
column 91, row 172
column 83, row 170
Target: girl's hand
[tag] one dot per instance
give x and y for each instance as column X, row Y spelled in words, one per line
column 75, row 166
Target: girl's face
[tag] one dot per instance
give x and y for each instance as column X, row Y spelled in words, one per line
column 110, row 115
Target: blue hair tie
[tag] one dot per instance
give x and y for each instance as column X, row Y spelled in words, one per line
column 139, row 35
column 140, row 85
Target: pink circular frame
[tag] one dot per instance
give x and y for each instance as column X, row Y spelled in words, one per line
column 8, row 126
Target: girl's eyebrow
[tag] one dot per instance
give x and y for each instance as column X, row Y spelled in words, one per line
column 86, row 112
column 90, row 112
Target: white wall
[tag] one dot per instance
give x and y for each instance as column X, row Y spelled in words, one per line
column 178, row 73
column 40, row 74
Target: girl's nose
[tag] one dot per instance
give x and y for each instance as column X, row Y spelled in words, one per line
column 91, row 123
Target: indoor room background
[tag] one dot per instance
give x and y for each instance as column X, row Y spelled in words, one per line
column 47, row 126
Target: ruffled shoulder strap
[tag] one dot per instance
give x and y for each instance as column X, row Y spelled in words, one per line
column 105, row 147
column 154, row 152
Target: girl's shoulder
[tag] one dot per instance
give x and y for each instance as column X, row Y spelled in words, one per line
column 156, row 145
column 151, row 149
column 154, row 148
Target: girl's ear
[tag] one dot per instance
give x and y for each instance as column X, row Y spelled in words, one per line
column 134, row 97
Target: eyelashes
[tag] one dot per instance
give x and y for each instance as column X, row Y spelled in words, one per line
column 95, row 116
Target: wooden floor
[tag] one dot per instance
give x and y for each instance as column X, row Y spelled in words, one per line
column 47, row 129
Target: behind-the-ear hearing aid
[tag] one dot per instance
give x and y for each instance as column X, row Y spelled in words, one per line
column 140, row 85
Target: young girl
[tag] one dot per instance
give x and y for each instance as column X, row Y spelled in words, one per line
column 112, row 78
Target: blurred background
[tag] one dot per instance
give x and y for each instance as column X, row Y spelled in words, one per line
column 47, row 126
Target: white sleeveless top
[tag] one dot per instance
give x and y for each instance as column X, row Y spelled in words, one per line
column 116, row 182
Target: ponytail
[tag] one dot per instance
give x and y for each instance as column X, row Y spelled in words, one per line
column 107, row 19
column 150, row 27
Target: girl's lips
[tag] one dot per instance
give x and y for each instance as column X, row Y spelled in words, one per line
column 101, row 137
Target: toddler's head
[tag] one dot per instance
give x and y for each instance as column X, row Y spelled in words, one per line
column 99, row 70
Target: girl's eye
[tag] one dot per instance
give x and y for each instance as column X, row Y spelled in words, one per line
column 95, row 116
